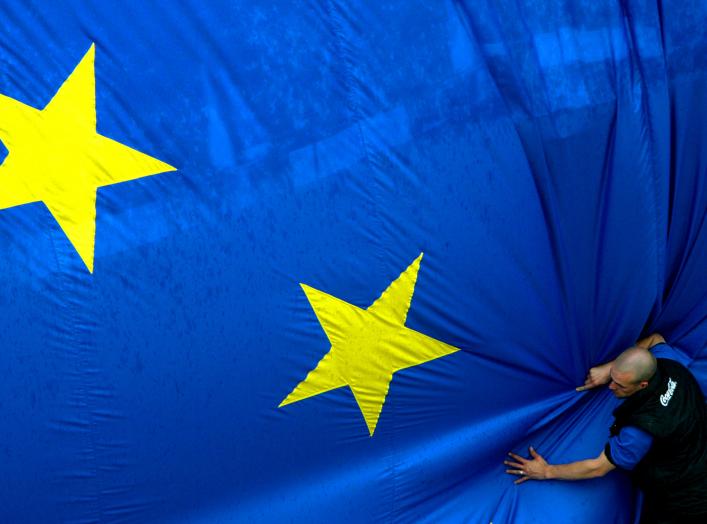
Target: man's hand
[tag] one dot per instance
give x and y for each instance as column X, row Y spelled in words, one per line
column 597, row 376
column 528, row 469
column 537, row 469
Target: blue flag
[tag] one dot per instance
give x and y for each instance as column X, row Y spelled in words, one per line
column 322, row 262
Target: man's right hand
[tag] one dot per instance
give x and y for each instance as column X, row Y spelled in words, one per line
column 597, row 376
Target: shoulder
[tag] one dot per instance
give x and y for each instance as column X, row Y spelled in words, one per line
column 632, row 435
column 628, row 447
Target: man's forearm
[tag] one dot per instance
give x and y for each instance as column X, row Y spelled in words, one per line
column 650, row 341
column 582, row 469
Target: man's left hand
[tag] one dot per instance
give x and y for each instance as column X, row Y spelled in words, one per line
column 528, row 469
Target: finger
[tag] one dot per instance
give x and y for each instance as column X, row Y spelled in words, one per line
column 514, row 472
column 533, row 453
column 518, row 458
column 513, row 464
column 521, row 480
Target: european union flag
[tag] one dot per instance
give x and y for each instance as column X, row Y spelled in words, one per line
column 331, row 261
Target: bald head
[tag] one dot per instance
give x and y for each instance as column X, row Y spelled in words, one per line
column 639, row 362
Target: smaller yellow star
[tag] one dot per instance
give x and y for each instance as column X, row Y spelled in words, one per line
column 56, row 156
column 367, row 345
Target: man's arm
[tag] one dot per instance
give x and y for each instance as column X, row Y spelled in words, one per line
column 582, row 469
column 538, row 469
column 650, row 341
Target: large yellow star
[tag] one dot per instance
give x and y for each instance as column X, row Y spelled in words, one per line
column 56, row 156
column 367, row 345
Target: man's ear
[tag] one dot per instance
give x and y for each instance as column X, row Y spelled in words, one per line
column 643, row 384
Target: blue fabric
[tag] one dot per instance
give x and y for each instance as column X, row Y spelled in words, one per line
column 548, row 158
column 629, row 447
column 664, row 350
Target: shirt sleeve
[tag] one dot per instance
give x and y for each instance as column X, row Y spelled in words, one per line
column 626, row 449
column 663, row 350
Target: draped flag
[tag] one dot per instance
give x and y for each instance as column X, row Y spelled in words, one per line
column 331, row 261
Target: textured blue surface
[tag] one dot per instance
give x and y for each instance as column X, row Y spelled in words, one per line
column 549, row 158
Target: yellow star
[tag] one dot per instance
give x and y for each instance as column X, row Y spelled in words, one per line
column 367, row 345
column 56, row 156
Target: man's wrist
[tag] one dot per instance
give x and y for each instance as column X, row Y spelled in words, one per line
column 549, row 472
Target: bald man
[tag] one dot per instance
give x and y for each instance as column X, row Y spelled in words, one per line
column 659, row 435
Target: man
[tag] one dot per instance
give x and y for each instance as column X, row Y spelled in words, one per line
column 659, row 434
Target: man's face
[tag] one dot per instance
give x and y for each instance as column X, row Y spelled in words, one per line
column 623, row 384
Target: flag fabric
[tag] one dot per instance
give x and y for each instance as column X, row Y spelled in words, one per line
column 331, row 261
